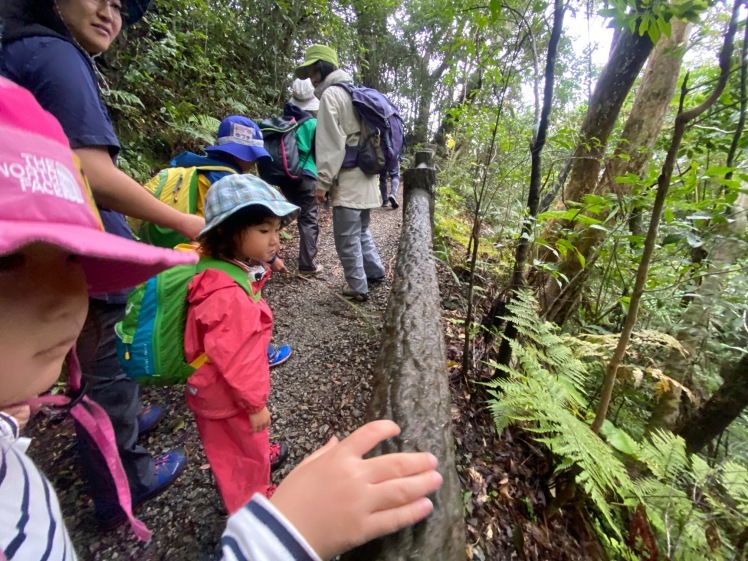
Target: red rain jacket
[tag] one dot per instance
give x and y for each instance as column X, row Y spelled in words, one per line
column 234, row 331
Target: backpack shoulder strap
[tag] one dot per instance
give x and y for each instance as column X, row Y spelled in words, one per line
column 234, row 271
column 347, row 87
column 216, row 168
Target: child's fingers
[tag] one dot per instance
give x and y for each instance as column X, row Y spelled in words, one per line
column 362, row 440
column 403, row 464
column 319, row 451
column 387, row 521
column 398, row 492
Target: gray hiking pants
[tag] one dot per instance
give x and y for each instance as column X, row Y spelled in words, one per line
column 355, row 247
column 303, row 197
column 394, row 179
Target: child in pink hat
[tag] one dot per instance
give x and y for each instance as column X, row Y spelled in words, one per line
column 53, row 251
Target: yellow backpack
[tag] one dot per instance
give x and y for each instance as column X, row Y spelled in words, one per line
column 182, row 188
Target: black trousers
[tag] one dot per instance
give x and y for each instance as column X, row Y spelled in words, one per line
column 120, row 397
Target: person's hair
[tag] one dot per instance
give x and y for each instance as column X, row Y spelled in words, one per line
column 325, row 68
column 223, row 241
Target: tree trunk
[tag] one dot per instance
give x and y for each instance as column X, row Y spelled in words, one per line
column 725, row 252
column 663, row 185
column 627, row 58
column 694, row 324
column 426, row 91
column 524, row 244
column 449, row 123
column 371, row 24
column 725, row 405
column 637, row 140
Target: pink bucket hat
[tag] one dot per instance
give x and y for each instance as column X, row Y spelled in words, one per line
column 44, row 198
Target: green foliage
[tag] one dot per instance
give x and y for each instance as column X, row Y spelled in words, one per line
column 694, row 511
column 545, row 390
column 188, row 65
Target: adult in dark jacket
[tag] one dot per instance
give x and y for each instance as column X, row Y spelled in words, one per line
column 48, row 48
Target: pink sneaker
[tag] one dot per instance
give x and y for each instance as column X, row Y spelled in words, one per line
column 278, row 454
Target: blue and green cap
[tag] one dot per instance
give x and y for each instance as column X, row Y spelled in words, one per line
column 237, row 191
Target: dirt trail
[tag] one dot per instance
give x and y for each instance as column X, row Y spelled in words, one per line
column 322, row 390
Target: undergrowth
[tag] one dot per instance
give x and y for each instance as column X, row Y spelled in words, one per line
column 646, row 497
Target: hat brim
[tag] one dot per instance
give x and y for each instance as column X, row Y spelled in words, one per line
column 241, row 151
column 135, row 10
column 311, row 104
column 284, row 210
column 110, row 262
column 302, row 71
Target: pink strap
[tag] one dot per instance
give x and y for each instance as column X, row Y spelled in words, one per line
column 96, row 423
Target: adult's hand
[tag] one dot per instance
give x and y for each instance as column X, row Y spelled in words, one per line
column 338, row 500
column 191, row 225
column 319, row 195
column 114, row 189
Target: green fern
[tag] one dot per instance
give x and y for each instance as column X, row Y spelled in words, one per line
column 693, row 509
column 544, row 390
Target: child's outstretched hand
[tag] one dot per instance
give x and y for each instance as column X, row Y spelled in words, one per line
column 338, row 500
column 278, row 266
column 260, row 420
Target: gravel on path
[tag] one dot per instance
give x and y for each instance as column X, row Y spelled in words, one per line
column 323, row 390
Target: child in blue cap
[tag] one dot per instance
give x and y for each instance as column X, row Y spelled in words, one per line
column 53, row 250
column 239, row 146
column 228, row 394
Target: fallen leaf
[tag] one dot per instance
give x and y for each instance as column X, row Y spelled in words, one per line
column 205, row 466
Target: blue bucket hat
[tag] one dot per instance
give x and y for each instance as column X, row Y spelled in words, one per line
column 240, row 137
column 234, row 192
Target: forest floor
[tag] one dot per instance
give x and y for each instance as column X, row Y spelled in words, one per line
column 324, row 390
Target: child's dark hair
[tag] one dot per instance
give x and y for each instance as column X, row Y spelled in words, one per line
column 223, row 240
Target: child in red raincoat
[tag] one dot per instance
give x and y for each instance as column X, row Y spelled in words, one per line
column 228, row 394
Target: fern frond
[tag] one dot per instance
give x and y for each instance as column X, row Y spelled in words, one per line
column 664, row 454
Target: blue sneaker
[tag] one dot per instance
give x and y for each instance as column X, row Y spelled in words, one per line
column 149, row 418
column 278, row 355
column 168, row 467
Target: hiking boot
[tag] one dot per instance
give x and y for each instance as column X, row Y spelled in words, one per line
column 278, row 355
column 384, row 203
column 149, row 418
column 168, row 467
column 393, row 202
column 311, row 272
column 375, row 280
column 351, row 295
column 278, row 454
column 270, row 490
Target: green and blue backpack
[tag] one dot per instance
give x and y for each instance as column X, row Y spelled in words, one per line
column 150, row 338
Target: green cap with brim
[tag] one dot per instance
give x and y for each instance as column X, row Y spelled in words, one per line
column 312, row 55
